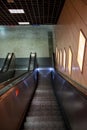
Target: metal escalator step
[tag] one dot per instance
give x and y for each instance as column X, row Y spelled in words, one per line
column 42, row 102
column 42, row 128
column 44, row 113
column 44, row 98
column 45, row 95
column 57, row 125
column 44, row 87
column 43, row 118
column 44, row 91
column 35, row 107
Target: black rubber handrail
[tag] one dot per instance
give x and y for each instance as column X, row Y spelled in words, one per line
column 34, row 64
column 53, row 60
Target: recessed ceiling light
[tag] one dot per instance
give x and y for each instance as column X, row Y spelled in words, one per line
column 16, row 11
column 10, row 1
column 23, row 23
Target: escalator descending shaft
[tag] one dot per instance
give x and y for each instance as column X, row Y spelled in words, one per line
column 44, row 112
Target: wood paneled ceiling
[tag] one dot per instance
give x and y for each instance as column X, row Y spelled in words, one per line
column 36, row 12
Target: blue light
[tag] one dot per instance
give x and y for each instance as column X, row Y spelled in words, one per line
column 48, row 69
column 38, row 69
column 51, row 69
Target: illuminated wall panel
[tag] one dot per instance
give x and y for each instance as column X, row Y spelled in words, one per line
column 81, row 49
column 70, row 61
column 64, row 58
column 60, row 57
column 57, row 55
column 56, row 52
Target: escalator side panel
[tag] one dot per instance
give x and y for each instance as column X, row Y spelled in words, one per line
column 14, row 103
column 72, row 102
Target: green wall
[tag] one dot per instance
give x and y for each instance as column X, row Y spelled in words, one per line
column 25, row 39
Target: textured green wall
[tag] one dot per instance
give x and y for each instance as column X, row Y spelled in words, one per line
column 24, row 39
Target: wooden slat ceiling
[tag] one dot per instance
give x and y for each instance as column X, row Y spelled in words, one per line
column 36, row 11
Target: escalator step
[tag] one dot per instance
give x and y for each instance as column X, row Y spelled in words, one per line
column 42, row 128
column 45, row 98
column 43, row 113
column 44, row 102
column 54, row 125
column 44, row 107
column 42, row 118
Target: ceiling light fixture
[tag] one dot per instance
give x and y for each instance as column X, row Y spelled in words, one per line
column 16, row 11
column 23, row 23
column 10, row 1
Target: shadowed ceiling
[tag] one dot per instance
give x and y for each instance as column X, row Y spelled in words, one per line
column 36, row 12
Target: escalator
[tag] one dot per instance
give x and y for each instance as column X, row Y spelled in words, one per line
column 30, row 104
column 8, row 75
column 42, row 100
column 8, row 68
column 44, row 112
column 8, row 63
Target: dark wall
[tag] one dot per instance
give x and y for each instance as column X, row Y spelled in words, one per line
column 50, row 43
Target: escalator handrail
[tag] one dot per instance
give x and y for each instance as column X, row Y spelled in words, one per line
column 53, row 60
column 29, row 62
column 35, row 62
